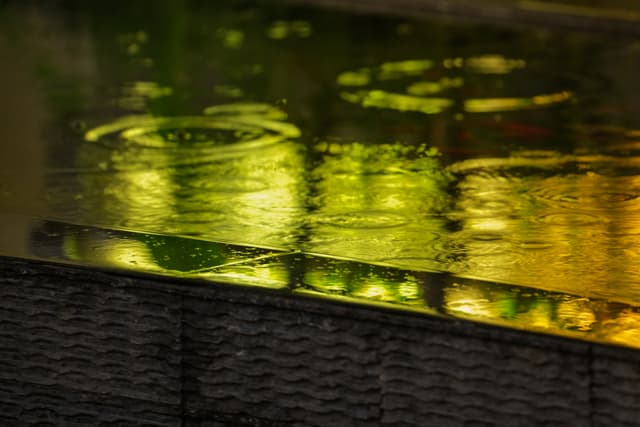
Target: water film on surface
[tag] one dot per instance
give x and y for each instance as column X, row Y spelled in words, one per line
column 450, row 167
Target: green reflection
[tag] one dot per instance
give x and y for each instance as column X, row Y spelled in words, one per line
column 229, row 174
column 284, row 29
column 377, row 202
column 170, row 255
column 361, row 281
column 231, row 38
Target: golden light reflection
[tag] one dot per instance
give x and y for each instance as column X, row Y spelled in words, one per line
column 377, row 202
column 396, row 101
column 540, row 316
column 513, row 306
column 576, row 314
column 494, row 105
column 555, row 219
column 268, row 274
column 494, row 64
column 623, row 329
column 361, row 281
column 373, row 289
column 430, row 88
column 117, row 253
column 419, row 94
column 470, row 301
column 223, row 132
column 230, row 174
column 360, row 77
column 551, row 228
column 401, row 69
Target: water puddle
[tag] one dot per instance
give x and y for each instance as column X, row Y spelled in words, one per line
column 449, row 167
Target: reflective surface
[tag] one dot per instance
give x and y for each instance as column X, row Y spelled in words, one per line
column 317, row 276
column 490, row 173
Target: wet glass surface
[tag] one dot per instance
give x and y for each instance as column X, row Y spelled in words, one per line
column 462, row 169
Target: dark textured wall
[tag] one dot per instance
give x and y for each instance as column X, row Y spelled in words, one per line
column 80, row 347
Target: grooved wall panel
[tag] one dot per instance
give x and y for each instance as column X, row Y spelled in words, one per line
column 82, row 347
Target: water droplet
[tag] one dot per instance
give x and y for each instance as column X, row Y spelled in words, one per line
column 362, row 219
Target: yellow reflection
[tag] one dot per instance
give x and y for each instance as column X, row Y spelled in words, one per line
column 400, row 69
column 376, row 202
column 418, row 96
column 494, row 105
column 136, row 95
column 149, row 90
column 270, row 274
column 374, row 289
column 231, row 38
column 553, row 228
column 576, row 314
column 367, row 282
column 396, row 101
column 327, row 281
column 230, row 174
column 283, row 29
column 540, row 316
column 469, row 301
column 623, row 329
column 355, row 78
column 488, row 223
column 494, row 64
column 409, row 289
column 118, row 253
column 429, row 88
column 223, row 131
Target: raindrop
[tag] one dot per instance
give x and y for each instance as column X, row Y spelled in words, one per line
column 363, row 219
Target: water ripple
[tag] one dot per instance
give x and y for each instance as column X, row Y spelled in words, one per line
column 223, row 131
column 584, row 192
column 362, row 220
column 569, row 218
